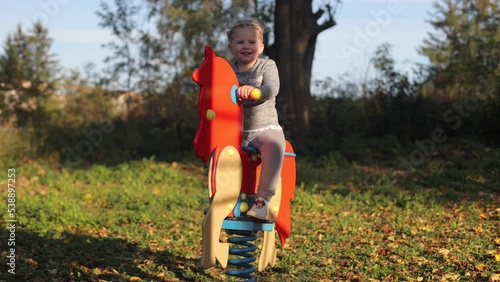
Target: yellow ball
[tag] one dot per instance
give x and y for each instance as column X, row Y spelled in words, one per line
column 210, row 114
column 243, row 207
column 255, row 94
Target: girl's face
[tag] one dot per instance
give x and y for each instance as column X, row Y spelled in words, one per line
column 246, row 46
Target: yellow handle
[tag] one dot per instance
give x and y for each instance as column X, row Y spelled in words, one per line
column 255, row 94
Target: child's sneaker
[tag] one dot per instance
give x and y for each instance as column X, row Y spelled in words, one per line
column 259, row 209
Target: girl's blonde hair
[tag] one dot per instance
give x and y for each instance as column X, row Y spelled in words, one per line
column 246, row 23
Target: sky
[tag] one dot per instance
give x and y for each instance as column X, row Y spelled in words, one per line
column 362, row 25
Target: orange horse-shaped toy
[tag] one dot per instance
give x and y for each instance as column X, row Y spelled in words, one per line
column 233, row 171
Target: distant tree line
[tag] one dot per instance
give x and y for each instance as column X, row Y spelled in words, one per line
column 147, row 101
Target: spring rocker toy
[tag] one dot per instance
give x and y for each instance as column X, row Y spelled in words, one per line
column 233, row 176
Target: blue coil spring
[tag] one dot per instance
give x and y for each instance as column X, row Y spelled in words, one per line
column 244, row 262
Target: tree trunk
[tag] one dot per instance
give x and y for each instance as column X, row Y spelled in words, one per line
column 296, row 31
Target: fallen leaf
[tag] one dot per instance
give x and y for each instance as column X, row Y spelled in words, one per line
column 326, row 262
column 478, row 229
column 494, row 278
column 481, row 267
column 104, row 232
column 384, row 252
column 451, row 277
column 444, row 252
column 386, row 229
column 88, row 197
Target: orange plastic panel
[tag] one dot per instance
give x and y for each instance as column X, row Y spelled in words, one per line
column 283, row 223
column 220, row 118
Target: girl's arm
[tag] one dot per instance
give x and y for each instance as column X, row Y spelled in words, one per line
column 270, row 81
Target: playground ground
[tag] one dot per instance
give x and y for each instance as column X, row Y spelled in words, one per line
column 372, row 221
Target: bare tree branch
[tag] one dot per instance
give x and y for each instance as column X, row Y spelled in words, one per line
column 330, row 22
column 318, row 14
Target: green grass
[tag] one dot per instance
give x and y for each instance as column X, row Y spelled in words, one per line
column 141, row 221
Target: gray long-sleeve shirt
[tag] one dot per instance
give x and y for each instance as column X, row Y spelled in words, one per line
column 263, row 75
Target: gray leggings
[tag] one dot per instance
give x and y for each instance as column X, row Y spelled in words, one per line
column 271, row 144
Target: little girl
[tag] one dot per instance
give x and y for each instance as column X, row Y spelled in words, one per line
column 261, row 127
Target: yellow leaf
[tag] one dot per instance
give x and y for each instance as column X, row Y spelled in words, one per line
column 444, row 252
column 327, row 262
column 481, row 267
column 478, row 229
column 497, row 257
column 135, row 278
column 88, row 197
column 494, row 278
column 497, row 241
column 451, row 277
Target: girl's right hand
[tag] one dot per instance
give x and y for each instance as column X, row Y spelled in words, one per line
column 244, row 92
column 249, row 92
